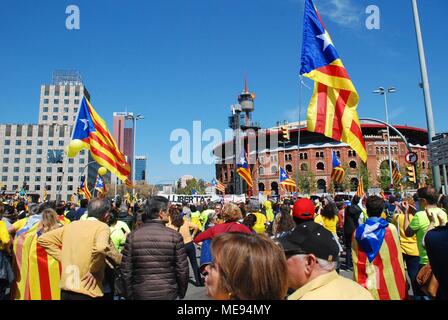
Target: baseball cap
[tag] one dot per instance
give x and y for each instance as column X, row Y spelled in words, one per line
column 303, row 209
column 310, row 238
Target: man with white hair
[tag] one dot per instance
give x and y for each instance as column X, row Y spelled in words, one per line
column 313, row 254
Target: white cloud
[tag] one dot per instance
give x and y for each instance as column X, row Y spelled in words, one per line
column 343, row 12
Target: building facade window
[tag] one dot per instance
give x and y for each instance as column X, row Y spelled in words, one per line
column 353, row 165
column 320, row 166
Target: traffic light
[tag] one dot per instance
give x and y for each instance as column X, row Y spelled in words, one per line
column 285, row 133
column 410, row 171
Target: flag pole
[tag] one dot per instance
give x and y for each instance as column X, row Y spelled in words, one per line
column 299, row 133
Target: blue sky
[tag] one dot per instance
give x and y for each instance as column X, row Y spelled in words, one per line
column 176, row 61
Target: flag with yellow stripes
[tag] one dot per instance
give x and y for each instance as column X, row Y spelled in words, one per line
column 396, row 175
column 93, row 132
column 377, row 260
column 360, row 189
column 333, row 107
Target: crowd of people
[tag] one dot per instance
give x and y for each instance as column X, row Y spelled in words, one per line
column 294, row 249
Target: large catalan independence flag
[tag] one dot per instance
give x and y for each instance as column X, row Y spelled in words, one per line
column 377, row 260
column 332, row 109
column 37, row 274
column 93, row 132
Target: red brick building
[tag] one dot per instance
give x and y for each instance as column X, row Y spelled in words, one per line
column 315, row 154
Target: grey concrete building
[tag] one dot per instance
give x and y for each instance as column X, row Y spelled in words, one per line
column 33, row 154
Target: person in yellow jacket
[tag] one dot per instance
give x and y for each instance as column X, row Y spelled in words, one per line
column 195, row 216
column 260, row 224
column 269, row 212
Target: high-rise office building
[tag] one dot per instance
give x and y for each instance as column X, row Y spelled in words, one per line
column 33, row 154
column 140, row 168
column 124, row 136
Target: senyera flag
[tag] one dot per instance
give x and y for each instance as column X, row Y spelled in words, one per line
column 333, row 107
column 93, row 132
column 360, row 189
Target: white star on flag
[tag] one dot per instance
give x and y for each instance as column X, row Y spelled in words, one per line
column 326, row 38
column 86, row 123
column 242, row 160
column 368, row 231
column 284, row 175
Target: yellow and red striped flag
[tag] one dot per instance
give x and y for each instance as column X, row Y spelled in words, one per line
column 333, row 107
column 84, row 189
column 377, row 260
column 92, row 131
column 243, row 169
column 218, row 185
column 38, row 274
column 338, row 173
column 396, row 175
column 360, row 189
column 286, row 182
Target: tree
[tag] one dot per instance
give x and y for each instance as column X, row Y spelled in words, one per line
column 307, row 182
column 384, row 177
column 193, row 184
column 142, row 189
column 365, row 176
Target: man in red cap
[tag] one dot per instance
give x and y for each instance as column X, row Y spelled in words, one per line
column 303, row 211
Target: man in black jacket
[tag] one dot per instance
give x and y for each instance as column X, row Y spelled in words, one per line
column 155, row 265
column 351, row 216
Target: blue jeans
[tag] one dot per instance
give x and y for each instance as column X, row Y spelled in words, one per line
column 413, row 266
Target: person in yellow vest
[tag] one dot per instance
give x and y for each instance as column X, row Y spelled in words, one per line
column 408, row 245
column 195, row 216
column 260, row 224
column 269, row 212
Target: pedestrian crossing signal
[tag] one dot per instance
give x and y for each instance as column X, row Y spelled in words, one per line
column 285, row 133
column 411, row 173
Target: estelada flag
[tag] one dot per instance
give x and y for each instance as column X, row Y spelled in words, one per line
column 338, row 173
column 218, row 185
column 396, row 175
column 332, row 109
column 286, row 182
column 38, row 274
column 93, row 132
column 377, row 260
column 243, row 169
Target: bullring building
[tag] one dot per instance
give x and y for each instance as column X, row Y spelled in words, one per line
column 314, row 156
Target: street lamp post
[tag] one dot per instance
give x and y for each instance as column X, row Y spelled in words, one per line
column 382, row 91
column 426, row 90
column 134, row 118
